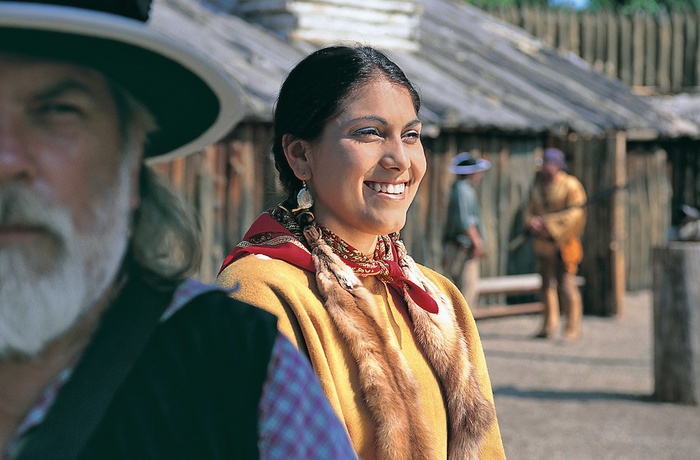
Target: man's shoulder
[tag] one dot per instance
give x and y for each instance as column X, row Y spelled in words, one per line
column 198, row 302
column 464, row 184
column 209, row 326
column 184, row 395
column 192, row 292
column 465, row 189
column 569, row 179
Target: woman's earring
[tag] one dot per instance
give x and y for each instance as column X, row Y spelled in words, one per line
column 304, row 198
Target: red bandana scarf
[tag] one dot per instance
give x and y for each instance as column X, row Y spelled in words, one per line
column 276, row 234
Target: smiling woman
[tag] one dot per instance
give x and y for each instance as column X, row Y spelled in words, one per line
column 393, row 343
column 364, row 168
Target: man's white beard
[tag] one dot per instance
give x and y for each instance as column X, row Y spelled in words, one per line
column 44, row 293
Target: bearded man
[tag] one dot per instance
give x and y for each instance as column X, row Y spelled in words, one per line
column 107, row 349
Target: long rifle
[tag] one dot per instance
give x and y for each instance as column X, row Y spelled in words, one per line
column 521, row 238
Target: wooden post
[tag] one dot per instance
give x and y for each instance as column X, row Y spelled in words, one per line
column 613, row 56
column 588, row 45
column 664, row 53
column 530, row 20
column 678, row 35
column 601, row 36
column 618, row 230
column 638, row 50
column 550, row 28
column 677, row 323
column 575, row 32
column 691, row 27
column 697, row 52
column 625, row 50
column 563, row 42
column 649, row 54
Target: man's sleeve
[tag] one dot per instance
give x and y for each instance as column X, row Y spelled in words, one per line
column 569, row 223
column 296, row 420
column 468, row 209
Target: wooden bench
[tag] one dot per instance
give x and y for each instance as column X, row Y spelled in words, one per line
column 512, row 285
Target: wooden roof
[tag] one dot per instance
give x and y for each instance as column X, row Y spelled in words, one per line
column 473, row 72
column 685, row 108
column 256, row 58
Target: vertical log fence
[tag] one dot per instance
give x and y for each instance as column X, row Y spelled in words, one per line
column 654, row 53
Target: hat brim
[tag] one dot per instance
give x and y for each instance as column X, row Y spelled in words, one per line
column 194, row 101
column 481, row 165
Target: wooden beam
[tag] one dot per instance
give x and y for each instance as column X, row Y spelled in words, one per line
column 499, row 311
column 642, row 134
column 617, row 226
column 530, row 283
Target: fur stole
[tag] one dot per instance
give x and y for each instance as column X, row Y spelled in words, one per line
column 389, row 387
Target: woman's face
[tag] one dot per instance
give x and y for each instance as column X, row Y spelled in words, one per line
column 366, row 166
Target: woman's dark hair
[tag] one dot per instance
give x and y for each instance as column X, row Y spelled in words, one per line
column 316, row 88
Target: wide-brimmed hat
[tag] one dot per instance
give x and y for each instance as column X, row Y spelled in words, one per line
column 194, row 101
column 464, row 163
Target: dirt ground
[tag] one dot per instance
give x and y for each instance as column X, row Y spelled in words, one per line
column 587, row 400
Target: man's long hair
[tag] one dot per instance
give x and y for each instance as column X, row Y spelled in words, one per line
column 164, row 246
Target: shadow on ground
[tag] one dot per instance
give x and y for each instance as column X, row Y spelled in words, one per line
column 566, row 395
column 570, row 359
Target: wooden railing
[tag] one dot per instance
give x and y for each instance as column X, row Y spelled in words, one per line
column 503, row 286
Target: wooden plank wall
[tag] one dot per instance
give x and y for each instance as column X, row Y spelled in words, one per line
column 232, row 182
column 649, row 210
column 502, row 191
column 654, row 53
column 591, row 161
column 229, row 184
column 646, row 204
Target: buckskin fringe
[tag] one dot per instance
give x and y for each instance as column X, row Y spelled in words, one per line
column 391, row 392
column 469, row 413
column 389, row 387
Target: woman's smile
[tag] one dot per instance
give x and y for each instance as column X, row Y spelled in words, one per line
column 396, row 190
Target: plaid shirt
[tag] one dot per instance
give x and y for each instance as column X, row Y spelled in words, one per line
column 295, row 422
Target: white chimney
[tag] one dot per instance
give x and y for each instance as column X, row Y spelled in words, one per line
column 387, row 24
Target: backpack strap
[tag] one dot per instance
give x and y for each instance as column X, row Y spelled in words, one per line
column 80, row 405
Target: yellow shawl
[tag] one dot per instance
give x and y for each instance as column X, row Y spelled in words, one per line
column 292, row 294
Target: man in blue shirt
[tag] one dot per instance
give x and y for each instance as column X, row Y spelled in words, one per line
column 464, row 238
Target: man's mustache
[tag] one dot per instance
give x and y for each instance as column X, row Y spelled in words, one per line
column 21, row 207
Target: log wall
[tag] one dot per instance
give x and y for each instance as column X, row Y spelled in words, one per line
column 232, row 182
